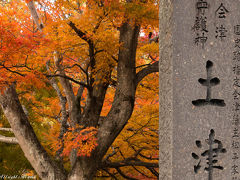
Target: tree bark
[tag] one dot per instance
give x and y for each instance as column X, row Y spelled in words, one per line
column 10, row 140
column 26, row 137
column 124, row 98
column 35, row 15
column 84, row 169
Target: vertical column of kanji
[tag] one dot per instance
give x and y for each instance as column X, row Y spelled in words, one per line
column 220, row 27
column 210, row 158
column 200, row 25
column 202, row 96
column 235, row 170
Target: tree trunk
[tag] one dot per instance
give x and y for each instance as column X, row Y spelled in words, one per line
column 124, row 98
column 23, row 131
column 84, row 169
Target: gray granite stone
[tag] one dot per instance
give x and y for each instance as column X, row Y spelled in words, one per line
column 166, row 90
column 202, row 110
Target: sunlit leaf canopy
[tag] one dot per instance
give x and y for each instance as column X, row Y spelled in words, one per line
column 24, row 49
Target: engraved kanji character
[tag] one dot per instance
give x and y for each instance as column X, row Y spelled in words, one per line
column 235, row 178
column 236, row 55
column 221, row 32
column 237, row 29
column 203, row 23
column 236, row 94
column 236, row 82
column 196, row 25
column 235, row 133
column 210, row 154
column 221, row 11
column 236, row 69
column 236, row 106
column 235, row 144
column 237, row 43
column 209, row 82
column 201, row 39
column 201, row 6
column 235, row 120
column 235, row 156
column 235, row 169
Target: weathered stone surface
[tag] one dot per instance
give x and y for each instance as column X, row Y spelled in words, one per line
column 204, row 109
column 166, row 89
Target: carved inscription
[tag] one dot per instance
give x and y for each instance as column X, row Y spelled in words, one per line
column 209, row 83
column 215, row 147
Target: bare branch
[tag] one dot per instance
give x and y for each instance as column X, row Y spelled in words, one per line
column 146, row 71
column 153, row 59
column 112, row 175
column 112, row 154
column 69, row 78
column 143, row 65
column 81, row 34
column 75, row 64
column 124, row 175
column 6, row 129
column 139, row 171
column 98, row 25
column 154, row 172
column 12, row 71
column 149, row 158
column 10, row 140
column 129, row 163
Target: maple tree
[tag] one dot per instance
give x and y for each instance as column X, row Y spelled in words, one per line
column 138, row 141
column 76, row 67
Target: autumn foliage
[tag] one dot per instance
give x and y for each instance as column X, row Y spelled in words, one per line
column 84, row 141
column 65, row 61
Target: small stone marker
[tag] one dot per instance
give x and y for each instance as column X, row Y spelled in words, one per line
column 205, row 124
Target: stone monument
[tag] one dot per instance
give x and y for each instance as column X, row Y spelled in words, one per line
column 203, row 119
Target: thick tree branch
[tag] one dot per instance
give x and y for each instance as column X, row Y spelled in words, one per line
column 68, row 90
column 146, row 71
column 64, row 116
column 10, row 140
column 96, row 92
column 81, row 34
column 35, row 15
column 64, row 81
column 124, row 98
column 26, row 137
column 6, row 129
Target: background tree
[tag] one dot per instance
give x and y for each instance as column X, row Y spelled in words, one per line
column 62, row 69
